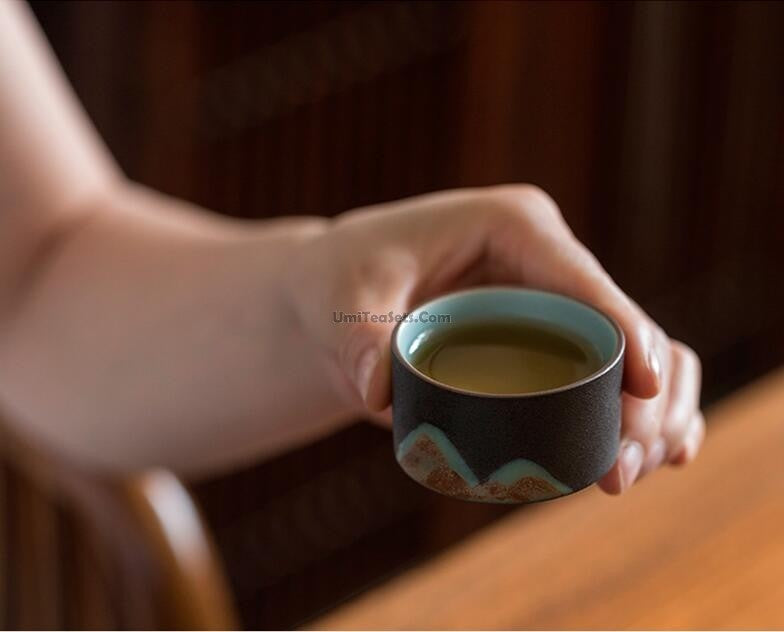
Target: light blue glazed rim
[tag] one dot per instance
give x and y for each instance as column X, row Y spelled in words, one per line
column 509, row 302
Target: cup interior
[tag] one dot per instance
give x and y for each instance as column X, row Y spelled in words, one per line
column 504, row 303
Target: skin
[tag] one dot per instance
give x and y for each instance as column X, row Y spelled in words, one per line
column 140, row 330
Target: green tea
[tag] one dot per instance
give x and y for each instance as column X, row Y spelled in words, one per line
column 501, row 357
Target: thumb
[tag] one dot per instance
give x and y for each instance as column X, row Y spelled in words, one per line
column 364, row 349
column 365, row 359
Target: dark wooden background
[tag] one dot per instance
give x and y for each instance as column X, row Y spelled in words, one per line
column 658, row 128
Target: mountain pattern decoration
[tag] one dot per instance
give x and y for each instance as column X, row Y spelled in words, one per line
column 428, row 456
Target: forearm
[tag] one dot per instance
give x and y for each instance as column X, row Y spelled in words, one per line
column 135, row 329
column 155, row 334
column 51, row 157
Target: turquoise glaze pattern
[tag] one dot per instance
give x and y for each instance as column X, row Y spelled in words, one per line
column 428, row 456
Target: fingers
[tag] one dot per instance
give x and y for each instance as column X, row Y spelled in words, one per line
column 661, row 420
column 640, row 449
column 695, row 435
column 641, row 419
column 363, row 355
column 624, row 472
column 378, row 396
column 668, row 428
column 534, row 246
column 382, row 418
column 684, row 398
column 654, row 457
column 650, row 435
column 363, row 347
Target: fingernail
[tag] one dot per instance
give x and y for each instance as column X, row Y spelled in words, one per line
column 681, row 457
column 365, row 367
column 690, row 448
column 678, row 459
column 655, row 366
column 630, row 463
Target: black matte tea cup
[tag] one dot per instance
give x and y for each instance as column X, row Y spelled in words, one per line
column 515, row 448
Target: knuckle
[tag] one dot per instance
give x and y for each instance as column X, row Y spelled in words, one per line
column 386, row 268
column 660, row 337
column 523, row 201
column 647, row 435
column 536, row 195
column 643, row 428
column 685, row 353
column 674, row 428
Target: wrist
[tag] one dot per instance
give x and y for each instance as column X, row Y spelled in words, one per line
column 314, row 280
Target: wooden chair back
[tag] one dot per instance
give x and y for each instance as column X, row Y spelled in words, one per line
column 81, row 550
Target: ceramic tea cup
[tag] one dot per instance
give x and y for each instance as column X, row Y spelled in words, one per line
column 507, row 448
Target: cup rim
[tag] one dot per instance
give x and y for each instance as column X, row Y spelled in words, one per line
column 617, row 355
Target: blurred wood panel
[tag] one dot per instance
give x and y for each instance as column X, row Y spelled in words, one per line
column 530, row 98
column 697, row 548
column 658, row 127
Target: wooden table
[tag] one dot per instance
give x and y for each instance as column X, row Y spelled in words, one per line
column 698, row 547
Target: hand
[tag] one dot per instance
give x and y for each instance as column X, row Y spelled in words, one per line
column 397, row 255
